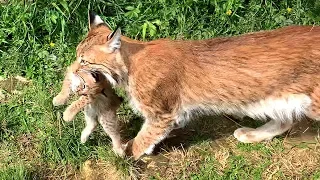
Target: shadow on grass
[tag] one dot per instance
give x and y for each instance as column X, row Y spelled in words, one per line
column 217, row 127
column 203, row 129
column 198, row 130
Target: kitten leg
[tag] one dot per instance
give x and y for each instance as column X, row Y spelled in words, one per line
column 151, row 133
column 64, row 94
column 109, row 123
column 91, row 123
column 265, row 132
column 75, row 107
column 69, row 82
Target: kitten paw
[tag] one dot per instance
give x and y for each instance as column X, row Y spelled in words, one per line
column 247, row 135
column 84, row 138
column 67, row 116
column 57, row 101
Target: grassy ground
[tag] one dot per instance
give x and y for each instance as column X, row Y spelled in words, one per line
column 37, row 42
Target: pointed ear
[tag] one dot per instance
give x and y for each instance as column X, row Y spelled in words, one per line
column 94, row 19
column 114, row 40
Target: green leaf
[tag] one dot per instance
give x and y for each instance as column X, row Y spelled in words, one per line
column 144, row 30
column 64, row 5
column 129, row 8
column 152, row 29
column 57, row 7
column 157, row 22
column 54, row 18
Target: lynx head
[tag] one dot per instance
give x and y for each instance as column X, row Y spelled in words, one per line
column 100, row 50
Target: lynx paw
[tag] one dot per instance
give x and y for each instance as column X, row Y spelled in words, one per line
column 132, row 150
column 249, row 135
column 120, row 151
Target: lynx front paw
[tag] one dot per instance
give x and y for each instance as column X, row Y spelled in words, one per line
column 249, row 135
column 120, row 151
column 132, row 150
column 57, row 101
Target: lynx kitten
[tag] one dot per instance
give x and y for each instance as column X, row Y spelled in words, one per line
column 98, row 100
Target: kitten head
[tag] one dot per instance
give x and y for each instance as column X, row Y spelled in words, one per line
column 86, row 82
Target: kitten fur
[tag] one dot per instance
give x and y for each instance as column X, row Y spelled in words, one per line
column 98, row 100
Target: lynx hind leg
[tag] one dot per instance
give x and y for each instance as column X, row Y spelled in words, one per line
column 265, row 132
column 283, row 111
column 152, row 132
column 110, row 125
column 75, row 107
column 91, row 123
column 314, row 109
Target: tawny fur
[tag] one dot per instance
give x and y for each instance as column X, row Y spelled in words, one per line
column 98, row 100
column 272, row 75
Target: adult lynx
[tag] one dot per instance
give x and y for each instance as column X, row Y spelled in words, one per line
column 271, row 75
column 98, row 100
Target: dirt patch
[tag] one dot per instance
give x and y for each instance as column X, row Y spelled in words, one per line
column 306, row 131
column 11, row 86
column 61, row 172
column 170, row 164
column 99, row 170
column 28, row 149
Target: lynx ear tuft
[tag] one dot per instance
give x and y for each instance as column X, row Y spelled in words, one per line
column 94, row 19
column 114, row 40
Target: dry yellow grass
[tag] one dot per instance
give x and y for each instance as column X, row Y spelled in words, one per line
column 100, row 170
column 278, row 158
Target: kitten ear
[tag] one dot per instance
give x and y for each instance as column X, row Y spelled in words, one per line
column 95, row 76
column 94, row 19
column 114, row 40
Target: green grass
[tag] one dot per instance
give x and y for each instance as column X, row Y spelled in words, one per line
column 38, row 40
